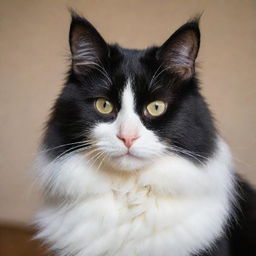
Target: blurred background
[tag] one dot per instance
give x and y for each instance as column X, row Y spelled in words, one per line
column 34, row 59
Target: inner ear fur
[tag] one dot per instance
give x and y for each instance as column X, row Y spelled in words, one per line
column 87, row 46
column 179, row 52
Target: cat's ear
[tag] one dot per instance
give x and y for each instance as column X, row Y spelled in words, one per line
column 179, row 52
column 87, row 46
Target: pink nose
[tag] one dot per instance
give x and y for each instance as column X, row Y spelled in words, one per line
column 127, row 140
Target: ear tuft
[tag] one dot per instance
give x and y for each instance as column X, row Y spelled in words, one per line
column 87, row 46
column 179, row 52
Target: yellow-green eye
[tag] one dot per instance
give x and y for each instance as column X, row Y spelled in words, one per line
column 104, row 106
column 156, row 108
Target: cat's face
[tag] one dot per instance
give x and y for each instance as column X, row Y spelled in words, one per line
column 128, row 107
column 126, row 142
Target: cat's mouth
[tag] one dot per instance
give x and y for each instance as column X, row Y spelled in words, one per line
column 127, row 155
column 127, row 161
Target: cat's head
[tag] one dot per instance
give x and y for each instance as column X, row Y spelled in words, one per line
column 129, row 107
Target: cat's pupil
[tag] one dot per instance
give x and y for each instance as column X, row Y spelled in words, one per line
column 156, row 106
column 105, row 104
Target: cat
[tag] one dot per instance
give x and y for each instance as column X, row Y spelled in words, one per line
column 131, row 161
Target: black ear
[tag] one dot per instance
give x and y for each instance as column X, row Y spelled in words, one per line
column 87, row 46
column 179, row 52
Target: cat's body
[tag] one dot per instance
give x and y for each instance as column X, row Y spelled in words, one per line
column 132, row 164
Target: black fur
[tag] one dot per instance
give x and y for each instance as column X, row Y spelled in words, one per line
column 187, row 123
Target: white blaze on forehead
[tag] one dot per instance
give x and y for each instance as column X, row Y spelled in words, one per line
column 127, row 101
column 128, row 120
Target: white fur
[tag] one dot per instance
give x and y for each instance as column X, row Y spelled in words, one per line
column 163, row 205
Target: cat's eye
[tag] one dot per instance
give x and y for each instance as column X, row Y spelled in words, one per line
column 104, row 106
column 156, row 108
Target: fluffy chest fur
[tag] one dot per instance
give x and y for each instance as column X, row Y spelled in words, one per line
column 172, row 207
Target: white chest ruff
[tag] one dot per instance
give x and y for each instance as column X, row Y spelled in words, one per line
column 172, row 208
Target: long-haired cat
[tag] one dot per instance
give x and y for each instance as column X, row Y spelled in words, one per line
column 132, row 164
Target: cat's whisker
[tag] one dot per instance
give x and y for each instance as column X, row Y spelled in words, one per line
column 68, row 152
column 186, row 152
column 95, row 158
column 97, row 66
column 153, row 77
column 152, row 82
column 103, row 68
column 64, row 145
column 104, row 157
column 90, row 152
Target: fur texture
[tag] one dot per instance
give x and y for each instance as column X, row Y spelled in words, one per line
column 155, row 211
column 171, row 190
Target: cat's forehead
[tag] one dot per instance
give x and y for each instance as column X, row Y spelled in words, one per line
column 137, row 66
column 133, row 62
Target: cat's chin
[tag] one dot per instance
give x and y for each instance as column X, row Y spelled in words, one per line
column 127, row 162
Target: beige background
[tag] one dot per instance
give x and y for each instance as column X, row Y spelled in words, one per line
column 33, row 62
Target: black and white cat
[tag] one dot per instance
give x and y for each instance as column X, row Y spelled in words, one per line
column 132, row 164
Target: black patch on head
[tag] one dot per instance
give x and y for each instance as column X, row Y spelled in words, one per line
column 101, row 70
